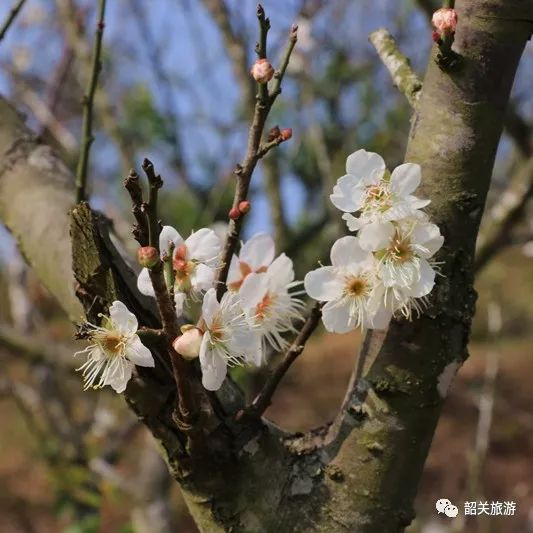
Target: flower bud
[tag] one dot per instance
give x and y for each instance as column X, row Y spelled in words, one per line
column 286, row 134
column 189, row 342
column 273, row 134
column 262, row 71
column 147, row 256
column 435, row 36
column 244, row 207
column 234, row 213
column 445, row 20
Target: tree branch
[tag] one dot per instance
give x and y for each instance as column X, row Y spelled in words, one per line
column 12, row 15
column 88, row 102
column 264, row 398
column 397, row 64
column 502, row 217
column 245, row 170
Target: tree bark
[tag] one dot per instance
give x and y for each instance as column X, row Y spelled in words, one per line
column 361, row 473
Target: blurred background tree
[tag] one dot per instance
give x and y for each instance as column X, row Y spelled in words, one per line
column 175, row 87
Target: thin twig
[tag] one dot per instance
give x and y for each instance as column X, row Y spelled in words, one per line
column 12, row 15
column 245, row 170
column 133, row 186
column 264, row 398
column 507, row 212
column 147, row 230
column 88, row 102
column 397, row 64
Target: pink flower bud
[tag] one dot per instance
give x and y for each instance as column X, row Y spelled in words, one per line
column 188, row 344
column 262, row 71
column 286, row 134
column 244, row 207
column 147, row 256
column 445, row 20
column 435, row 36
column 234, row 213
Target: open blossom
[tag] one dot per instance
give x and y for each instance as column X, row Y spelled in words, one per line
column 228, row 339
column 255, row 256
column 350, row 288
column 403, row 250
column 269, row 302
column 194, row 262
column 369, row 191
column 114, row 349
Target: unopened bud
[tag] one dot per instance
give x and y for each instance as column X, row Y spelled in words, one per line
column 262, row 71
column 435, row 36
column 286, row 134
column 147, row 256
column 445, row 20
column 234, row 213
column 188, row 344
column 273, row 134
column 244, row 206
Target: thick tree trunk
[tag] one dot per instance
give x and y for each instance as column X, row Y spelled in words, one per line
column 360, row 474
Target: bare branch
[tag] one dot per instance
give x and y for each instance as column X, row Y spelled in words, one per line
column 12, row 15
column 245, row 170
column 397, row 64
column 264, row 398
column 507, row 212
column 88, row 102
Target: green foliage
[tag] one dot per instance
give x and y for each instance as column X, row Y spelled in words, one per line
column 142, row 124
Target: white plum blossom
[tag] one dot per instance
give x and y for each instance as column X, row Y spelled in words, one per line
column 194, row 263
column 255, row 256
column 403, row 251
column 269, row 302
column 227, row 340
column 373, row 194
column 114, row 350
column 387, row 269
column 350, row 287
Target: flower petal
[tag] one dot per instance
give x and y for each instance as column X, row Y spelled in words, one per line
column 406, row 178
column 347, row 251
column 213, row 366
column 210, row 307
column 428, row 237
column 179, row 301
column 258, row 251
column 119, row 380
column 144, row 283
column 336, row 316
column 416, row 203
column 347, row 196
column 138, row 353
column 123, row 321
column 353, row 223
column 168, row 236
column 362, row 163
column 376, row 236
column 426, row 281
column 253, row 289
column 323, row 284
column 234, row 273
column 281, row 271
column 203, row 277
column 204, row 246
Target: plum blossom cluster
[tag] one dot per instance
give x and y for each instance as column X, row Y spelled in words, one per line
column 255, row 313
column 387, row 268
